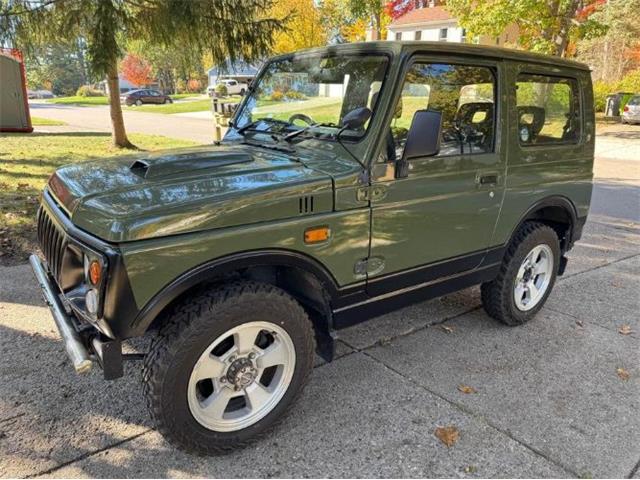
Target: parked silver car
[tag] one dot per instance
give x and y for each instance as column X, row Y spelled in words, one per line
column 631, row 111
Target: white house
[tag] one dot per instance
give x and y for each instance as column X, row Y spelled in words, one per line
column 434, row 23
column 240, row 71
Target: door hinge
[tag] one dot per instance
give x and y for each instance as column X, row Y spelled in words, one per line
column 369, row 266
column 371, row 192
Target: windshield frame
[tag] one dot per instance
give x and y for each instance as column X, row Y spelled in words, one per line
column 328, row 53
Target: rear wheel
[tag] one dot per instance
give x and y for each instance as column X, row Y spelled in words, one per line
column 526, row 277
column 227, row 365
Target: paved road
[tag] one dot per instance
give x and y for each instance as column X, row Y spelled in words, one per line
column 97, row 119
column 548, row 404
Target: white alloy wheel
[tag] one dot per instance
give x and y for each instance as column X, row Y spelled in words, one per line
column 241, row 376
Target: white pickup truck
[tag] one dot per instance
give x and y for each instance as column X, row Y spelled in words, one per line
column 234, row 87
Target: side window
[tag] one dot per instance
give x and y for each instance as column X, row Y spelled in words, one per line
column 548, row 110
column 465, row 95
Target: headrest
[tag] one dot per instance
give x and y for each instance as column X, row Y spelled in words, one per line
column 468, row 110
column 537, row 117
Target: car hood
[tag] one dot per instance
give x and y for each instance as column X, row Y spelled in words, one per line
column 187, row 190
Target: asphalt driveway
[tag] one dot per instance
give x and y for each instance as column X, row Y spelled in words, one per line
column 96, row 119
column 558, row 397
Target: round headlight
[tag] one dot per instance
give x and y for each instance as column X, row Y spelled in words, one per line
column 95, row 272
column 91, row 301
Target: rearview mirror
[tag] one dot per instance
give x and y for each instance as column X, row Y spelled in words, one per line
column 423, row 139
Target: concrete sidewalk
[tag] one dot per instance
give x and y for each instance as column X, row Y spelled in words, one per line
column 549, row 401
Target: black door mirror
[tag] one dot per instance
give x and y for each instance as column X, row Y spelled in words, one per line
column 423, row 139
column 356, row 118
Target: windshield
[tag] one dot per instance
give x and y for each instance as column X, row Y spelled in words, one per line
column 313, row 91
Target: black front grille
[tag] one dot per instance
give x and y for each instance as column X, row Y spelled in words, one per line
column 52, row 242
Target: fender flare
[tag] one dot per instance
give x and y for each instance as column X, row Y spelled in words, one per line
column 223, row 265
column 551, row 201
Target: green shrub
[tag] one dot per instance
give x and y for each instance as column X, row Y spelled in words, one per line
column 630, row 82
column 277, row 96
column 221, row 90
column 600, row 92
column 88, row 91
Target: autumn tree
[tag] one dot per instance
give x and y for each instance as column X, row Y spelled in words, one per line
column 136, row 70
column 303, row 26
column 545, row 26
column 227, row 29
column 612, row 45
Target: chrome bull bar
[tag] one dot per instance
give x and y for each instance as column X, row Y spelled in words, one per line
column 76, row 350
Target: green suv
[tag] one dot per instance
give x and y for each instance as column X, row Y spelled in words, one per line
column 353, row 180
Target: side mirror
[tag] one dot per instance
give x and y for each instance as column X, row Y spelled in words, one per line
column 356, row 118
column 423, row 139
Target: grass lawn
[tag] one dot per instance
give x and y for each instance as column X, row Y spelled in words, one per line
column 27, row 161
column 39, row 121
column 80, row 100
column 180, row 96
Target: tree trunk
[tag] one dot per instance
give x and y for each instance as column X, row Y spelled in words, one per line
column 562, row 38
column 118, row 133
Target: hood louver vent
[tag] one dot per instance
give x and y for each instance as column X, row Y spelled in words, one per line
column 305, row 204
column 139, row 168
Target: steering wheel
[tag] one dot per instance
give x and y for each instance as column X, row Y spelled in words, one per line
column 301, row 116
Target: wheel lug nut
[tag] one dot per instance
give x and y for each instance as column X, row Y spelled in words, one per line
column 223, row 380
column 232, row 358
column 252, row 356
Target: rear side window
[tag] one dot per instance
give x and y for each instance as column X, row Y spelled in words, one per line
column 634, row 101
column 548, row 110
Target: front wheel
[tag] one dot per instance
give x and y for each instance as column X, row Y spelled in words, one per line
column 226, row 366
column 139, row 102
column 527, row 275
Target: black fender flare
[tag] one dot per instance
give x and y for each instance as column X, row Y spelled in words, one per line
column 551, row 201
column 228, row 264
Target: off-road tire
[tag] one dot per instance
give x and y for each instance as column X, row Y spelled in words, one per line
column 189, row 329
column 497, row 295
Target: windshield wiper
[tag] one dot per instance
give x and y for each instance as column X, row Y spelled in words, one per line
column 292, row 135
column 272, row 121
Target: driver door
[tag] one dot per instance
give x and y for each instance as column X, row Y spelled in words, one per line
column 439, row 220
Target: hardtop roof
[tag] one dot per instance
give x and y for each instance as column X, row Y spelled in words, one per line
column 400, row 46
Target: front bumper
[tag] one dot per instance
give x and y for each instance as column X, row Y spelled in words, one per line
column 84, row 346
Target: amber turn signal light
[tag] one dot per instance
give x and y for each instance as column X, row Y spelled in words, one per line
column 317, row 234
column 95, row 272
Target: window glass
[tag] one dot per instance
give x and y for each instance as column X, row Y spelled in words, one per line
column 444, row 33
column 313, row 90
column 419, row 35
column 398, row 35
column 634, row 101
column 548, row 110
column 465, row 97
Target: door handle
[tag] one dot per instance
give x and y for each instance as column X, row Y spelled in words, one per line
column 487, row 179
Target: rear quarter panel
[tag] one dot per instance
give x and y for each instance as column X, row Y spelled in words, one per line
column 535, row 173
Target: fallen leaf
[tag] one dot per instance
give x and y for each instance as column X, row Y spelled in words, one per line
column 22, row 186
column 579, row 323
column 447, row 435
column 466, row 389
column 623, row 374
column 446, row 329
column 625, row 330
column 470, row 469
